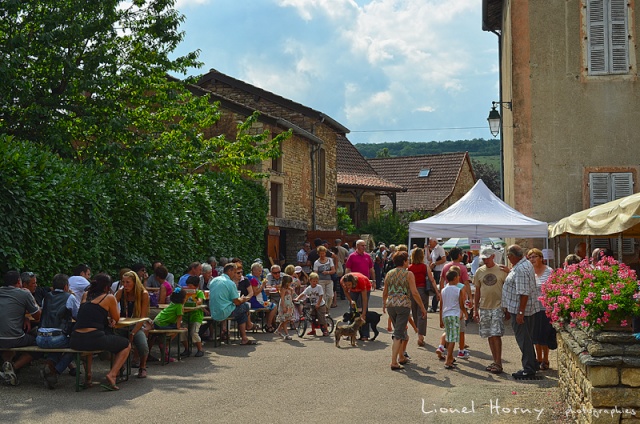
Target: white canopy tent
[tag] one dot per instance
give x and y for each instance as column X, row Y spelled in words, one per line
column 479, row 213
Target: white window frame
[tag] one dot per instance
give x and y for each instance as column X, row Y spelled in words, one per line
column 608, row 37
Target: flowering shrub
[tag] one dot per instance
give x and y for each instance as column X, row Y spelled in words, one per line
column 590, row 295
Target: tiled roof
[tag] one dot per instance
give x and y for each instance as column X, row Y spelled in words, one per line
column 355, row 172
column 423, row 193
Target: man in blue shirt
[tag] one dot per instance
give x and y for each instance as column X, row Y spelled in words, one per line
column 224, row 301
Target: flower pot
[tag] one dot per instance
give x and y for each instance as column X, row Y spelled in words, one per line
column 614, row 325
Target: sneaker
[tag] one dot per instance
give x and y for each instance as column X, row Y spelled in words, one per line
column 312, row 333
column 523, row 374
column 185, row 353
column 199, row 354
column 463, row 354
column 430, row 310
column 440, row 352
column 10, row 376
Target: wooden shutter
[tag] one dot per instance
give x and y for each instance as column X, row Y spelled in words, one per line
column 596, row 49
column 621, row 185
column 599, row 189
column 618, row 37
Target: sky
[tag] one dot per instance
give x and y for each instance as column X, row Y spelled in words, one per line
column 389, row 70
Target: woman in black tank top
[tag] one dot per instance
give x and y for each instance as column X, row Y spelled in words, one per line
column 99, row 312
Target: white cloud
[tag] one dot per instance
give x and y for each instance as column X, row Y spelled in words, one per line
column 185, row 3
column 334, row 9
column 425, row 109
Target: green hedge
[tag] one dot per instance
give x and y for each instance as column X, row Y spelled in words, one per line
column 55, row 214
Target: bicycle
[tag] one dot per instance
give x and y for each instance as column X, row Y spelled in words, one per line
column 299, row 323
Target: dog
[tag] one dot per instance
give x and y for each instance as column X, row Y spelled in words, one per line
column 372, row 318
column 350, row 330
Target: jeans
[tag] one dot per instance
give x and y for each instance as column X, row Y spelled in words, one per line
column 421, row 323
column 357, row 297
column 434, row 301
column 378, row 270
column 523, row 333
column 61, row 360
column 239, row 314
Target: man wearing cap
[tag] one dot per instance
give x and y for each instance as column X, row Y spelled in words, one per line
column 437, row 259
column 519, row 299
column 487, row 310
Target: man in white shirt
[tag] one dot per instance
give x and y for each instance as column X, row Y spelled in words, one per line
column 79, row 281
column 437, row 260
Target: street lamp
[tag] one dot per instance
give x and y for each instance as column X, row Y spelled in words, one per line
column 494, row 118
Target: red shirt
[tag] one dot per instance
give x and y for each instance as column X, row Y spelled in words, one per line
column 420, row 272
column 364, row 284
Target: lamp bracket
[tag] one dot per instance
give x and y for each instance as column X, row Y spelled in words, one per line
column 508, row 105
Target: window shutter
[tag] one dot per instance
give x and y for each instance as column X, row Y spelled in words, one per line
column 622, row 185
column 599, row 189
column 618, row 37
column 596, row 49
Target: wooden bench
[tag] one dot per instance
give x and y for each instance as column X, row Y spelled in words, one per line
column 260, row 313
column 215, row 328
column 166, row 334
column 78, row 354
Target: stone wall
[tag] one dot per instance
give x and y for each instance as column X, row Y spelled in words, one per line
column 599, row 376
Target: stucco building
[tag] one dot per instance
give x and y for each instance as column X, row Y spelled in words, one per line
column 570, row 93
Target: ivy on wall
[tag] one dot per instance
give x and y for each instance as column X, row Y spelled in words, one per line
column 55, row 214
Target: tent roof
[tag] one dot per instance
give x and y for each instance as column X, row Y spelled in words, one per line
column 617, row 216
column 479, row 213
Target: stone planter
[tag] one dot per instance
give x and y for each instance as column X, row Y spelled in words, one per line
column 599, row 375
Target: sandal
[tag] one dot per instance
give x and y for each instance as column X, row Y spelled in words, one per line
column 490, row 366
column 450, row 367
column 421, row 343
column 142, row 373
column 249, row 342
column 406, row 361
column 396, row 368
column 496, row 369
column 544, row 365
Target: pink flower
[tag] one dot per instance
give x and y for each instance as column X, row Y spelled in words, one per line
column 613, row 306
column 605, row 297
column 623, row 323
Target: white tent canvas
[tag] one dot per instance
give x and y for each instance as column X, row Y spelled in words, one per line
column 479, row 213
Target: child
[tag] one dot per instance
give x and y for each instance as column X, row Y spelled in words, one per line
column 450, row 314
column 463, row 353
column 315, row 294
column 285, row 308
column 171, row 317
column 195, row 318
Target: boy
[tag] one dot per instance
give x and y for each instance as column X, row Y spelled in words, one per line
column 195, row 318
column 463, row 353
column 315, row 294
column 451, row 312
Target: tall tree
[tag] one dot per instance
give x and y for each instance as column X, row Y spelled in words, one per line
column 488, row 174
column 89, row 80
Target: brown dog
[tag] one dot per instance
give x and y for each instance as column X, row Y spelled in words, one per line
column 350, row 331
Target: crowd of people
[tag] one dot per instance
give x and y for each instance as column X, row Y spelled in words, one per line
column 82, row 311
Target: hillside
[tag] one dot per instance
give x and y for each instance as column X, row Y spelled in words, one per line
column 477, row 148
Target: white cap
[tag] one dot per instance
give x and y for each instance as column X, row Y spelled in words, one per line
column 487, row 252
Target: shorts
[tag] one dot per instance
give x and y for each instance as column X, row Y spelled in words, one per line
column 463, row 325
column 25, row 340
column 399, row 317
column 451, row 328
column 195, row 332
column 98, row 340
column 491, row 323
column 239, row 314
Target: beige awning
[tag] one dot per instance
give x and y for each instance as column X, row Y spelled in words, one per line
column 613, row 218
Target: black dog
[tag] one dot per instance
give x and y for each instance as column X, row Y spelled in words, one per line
column 372, row 318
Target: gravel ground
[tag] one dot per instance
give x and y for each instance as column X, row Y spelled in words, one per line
column 305, row 380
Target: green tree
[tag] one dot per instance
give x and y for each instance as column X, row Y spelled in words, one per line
column 89, row 80
column 344, row 221
column 392, row 228
column 383, row 153
column 488, row 174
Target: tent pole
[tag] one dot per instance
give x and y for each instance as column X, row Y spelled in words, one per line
column 588, row 248
column 555, row 250
column 566, row 236
column 619, row 247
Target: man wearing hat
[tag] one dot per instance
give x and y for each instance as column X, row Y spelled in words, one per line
column 487, row 310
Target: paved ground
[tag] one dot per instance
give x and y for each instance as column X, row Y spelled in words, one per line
column 304, row 380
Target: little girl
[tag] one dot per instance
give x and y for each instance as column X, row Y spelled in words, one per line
column 171, row 317
column 285, row 308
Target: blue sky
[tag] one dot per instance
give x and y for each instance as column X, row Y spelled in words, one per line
column 413, row 68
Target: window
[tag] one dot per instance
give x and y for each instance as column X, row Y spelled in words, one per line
column 424, row 173
column 608, row 37
column 275, row 194
column 321, row 178
column 605, row 187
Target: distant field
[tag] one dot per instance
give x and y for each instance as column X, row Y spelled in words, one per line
column 491, row 160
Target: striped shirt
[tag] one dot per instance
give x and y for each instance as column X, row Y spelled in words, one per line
column 521, row 281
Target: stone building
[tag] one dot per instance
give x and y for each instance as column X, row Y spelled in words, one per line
column 570, row 97
column 360, row 188
column 302, row 182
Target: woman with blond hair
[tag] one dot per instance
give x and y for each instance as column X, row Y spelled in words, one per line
column 133, row 299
